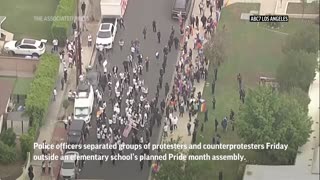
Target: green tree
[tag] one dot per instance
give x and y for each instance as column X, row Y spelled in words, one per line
column 306, row 38
column 268, row 116
column 7, row 153
column 297, row 70
column 215, row 48
column 8, row 137
column 171, row 169
column 199, row 170
column 301, row 96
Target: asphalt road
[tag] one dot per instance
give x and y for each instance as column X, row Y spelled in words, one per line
column 139, row 13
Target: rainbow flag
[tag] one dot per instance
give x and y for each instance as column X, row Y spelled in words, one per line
column 203, row 106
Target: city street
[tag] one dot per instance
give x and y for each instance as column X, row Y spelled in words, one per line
column 139, row 13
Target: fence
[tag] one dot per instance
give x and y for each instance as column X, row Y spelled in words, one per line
column 17, row 67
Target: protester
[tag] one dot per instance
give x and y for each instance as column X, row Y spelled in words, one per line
column 154, row 26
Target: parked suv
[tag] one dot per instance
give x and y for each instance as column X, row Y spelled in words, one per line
column 107, row 33
column 76, row 132
column 29, row 47
column 182, row 6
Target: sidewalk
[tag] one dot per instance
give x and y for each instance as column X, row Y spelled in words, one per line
column 182, row 131
column 53, row 129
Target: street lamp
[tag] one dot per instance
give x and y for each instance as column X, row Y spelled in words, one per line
column 78, row 47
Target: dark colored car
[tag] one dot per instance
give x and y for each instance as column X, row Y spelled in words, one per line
column 76, row 132
column 182, row 6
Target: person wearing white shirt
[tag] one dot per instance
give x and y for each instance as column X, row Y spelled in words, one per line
column 98, row 136
column 54, row 94
column 121, row 121
column 145, row 116
column 175, row 122
column 117, row 94
column 89, row 40
column 105, row 63
column 141, row 98
column 104, row 104
column 103, row 137
column 141, row 140
column 101, row 109
column 121, row 75
column 170, row 116
column 55, row 45
column 110, row 121
column 165, row 130
column 132, row 51
column 114, row 119
column 65, row 124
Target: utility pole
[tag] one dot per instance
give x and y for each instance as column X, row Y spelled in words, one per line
column 78, row 46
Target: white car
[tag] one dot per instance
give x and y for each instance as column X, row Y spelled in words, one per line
column 105, row 35
column 28, row 47
column 69, row 167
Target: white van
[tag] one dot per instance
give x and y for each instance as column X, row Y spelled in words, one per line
column 83, row 103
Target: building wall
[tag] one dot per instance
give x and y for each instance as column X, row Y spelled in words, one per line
column 2, row 115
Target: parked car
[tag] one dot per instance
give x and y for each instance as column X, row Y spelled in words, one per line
column 69, row 167
column 76, row 133
column 106, row 33
column 28, row 47
column 182, row 6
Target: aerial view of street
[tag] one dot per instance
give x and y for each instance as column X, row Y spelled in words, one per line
column 159, row 90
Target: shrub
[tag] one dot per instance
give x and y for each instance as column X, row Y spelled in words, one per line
column 296, row 70
column 39, row 98
column 60, row 28
column 7, row 153
column 8, row 137
column 301, row 96
column 306, row 39
column 26, row 143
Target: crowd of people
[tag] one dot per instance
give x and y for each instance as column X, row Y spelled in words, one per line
column 123, row 91
column 133, row 114
column 190, row 69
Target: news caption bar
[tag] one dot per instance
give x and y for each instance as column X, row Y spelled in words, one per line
column 269, row 18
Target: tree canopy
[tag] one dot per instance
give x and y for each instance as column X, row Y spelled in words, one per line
column 306, row 38
column 268, row 116
column 297, row 70
column 171, row 169
column 215, row 48
column 301, row 96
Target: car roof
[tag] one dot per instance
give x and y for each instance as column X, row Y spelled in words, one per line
column 105, row 27
column 76, row 125
column 70, row 153
column 28, row 41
